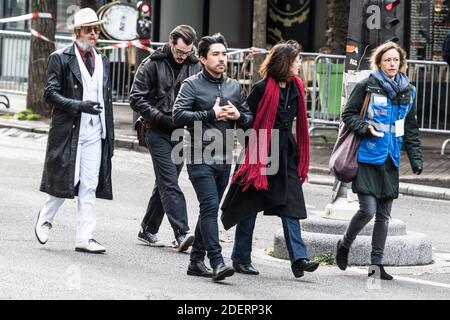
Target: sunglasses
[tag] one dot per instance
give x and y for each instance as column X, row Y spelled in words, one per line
column 181, row 53
column 89, row 29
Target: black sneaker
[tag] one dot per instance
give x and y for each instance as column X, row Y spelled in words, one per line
column 149, row 239
column 184, row 241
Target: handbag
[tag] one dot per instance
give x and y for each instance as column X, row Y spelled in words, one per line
column 141, row 125
column 344, row 157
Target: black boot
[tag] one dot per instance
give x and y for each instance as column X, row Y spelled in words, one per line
column 222, row 271
column 245, row 268
column 341, row 256
column 382, row 273
column 299, row 266
column 198, row 268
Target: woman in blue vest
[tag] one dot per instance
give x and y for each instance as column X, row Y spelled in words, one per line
column 388, row 125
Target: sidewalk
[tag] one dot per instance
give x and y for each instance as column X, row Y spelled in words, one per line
column 434, row 182
column 436, row 171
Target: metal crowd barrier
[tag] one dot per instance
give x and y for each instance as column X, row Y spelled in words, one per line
column 326, row 93
column 14, row 55
column 15, row 50
column 321, row 73
column 431, row 79
column 240, row 67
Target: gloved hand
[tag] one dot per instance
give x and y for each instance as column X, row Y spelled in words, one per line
column 166, row 123
column 417, row 170
column 90, row 107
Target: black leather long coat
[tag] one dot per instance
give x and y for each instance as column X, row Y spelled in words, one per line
column 63, row 92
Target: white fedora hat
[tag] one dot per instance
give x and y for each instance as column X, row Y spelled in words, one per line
column 85, row 17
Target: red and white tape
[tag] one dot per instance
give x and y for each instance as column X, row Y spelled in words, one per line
column 137, row 43
column 29, row 16
column 38, row 35
column 141, row 44
column 252, row 50
column 256, row 51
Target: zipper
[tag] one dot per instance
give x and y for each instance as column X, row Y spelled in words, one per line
column 219, row 86
column 220, row 124
column 173, row 77
column 390, row 129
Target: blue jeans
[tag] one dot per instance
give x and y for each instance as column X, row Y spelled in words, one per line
column 242, row 248
column 209, row 182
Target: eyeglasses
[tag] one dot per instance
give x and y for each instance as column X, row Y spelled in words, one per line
column 181, row 53
column 90, row 29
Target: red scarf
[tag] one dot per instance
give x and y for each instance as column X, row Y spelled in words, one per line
column 255, row 174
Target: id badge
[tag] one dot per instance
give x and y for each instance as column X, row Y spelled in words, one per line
column 380, row 100
column 400, row 128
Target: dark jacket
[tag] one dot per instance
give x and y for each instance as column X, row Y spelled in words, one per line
column 63, row 92
column 284, row 196
column 153, row 79
column 381, row 181
column 446, row 49
column 196, row 100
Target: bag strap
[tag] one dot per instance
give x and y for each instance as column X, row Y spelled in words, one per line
column 365, row 105
column 177, row 80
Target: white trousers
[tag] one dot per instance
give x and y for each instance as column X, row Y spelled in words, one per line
column 87, row 168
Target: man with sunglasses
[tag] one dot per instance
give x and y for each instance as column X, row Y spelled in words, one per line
column 81, row 135
column 155, row 87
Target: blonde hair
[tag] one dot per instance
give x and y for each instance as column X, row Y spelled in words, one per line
column 378, row 52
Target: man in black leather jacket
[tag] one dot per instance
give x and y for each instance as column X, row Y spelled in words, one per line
column 154, row 78
column 81, row 136
column 210, row 103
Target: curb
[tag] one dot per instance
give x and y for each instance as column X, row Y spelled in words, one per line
column 25, row 127
column 321, row 176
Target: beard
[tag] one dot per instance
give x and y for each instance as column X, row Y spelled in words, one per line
column 85, row 45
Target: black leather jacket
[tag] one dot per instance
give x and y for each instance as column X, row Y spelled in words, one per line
column 63, row 92
column 153, row 79
column 196, row 100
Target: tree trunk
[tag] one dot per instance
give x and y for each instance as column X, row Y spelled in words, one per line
column 259, row 34
column 337, row 25
column 39, row 53
column 88, row 4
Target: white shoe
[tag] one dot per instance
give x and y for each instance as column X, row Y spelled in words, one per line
column 90, row 246
column 42, row 229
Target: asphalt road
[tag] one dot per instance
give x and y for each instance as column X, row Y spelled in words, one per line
column 130, row 270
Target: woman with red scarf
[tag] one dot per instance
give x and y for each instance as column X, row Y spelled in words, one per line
column 274, row 186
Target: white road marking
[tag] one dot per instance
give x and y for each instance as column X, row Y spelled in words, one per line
column 406, row 279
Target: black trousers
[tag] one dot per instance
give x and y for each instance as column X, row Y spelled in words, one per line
column 166, row 196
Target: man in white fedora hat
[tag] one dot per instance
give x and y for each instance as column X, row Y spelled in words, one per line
column 81, row 136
